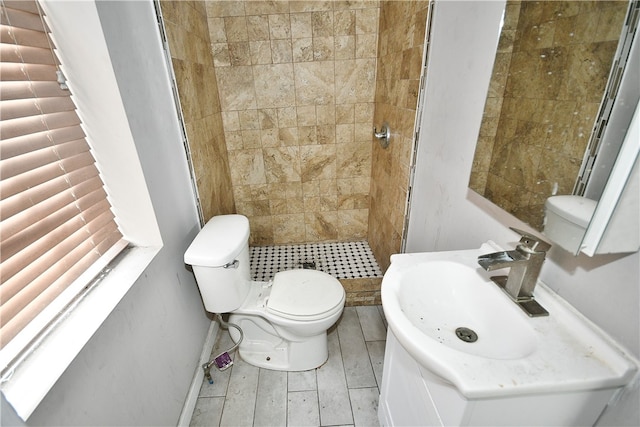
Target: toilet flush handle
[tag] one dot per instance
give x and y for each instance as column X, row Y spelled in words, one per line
column 233, row 264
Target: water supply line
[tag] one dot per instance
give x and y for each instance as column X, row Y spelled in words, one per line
column 223, row 360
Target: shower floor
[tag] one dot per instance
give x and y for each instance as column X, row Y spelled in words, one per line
column 342, row 260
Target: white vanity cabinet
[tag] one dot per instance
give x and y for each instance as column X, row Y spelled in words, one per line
column 413, row 396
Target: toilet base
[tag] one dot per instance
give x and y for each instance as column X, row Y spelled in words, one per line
column 264, row 348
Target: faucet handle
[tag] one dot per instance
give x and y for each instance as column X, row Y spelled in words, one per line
column 531, row 242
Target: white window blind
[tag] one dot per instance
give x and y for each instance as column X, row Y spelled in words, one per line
column 55, row 218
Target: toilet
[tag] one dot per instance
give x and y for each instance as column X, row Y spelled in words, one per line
column 284, row 321
column 566, row 220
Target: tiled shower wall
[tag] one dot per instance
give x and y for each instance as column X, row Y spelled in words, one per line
column 553, row 71
column 188, row 37
column 291, row 104
column 296, row 82
column 495, row 98
column 402, row 33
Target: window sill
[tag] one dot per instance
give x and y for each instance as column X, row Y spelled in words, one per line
column 30, row 382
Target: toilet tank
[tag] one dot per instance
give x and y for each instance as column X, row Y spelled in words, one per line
column 219, row 256
column 566, row 220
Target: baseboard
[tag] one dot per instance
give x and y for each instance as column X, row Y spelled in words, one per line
column 198, row 376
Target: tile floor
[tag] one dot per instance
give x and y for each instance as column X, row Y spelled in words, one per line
column 342, row 260
column 343, row 391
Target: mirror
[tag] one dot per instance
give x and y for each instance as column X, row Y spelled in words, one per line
column 552, row 67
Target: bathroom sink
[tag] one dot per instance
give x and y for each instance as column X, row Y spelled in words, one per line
column 456, row 323
column 442, row 297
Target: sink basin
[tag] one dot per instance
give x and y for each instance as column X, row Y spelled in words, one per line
column 440, row 297
column 456, row 323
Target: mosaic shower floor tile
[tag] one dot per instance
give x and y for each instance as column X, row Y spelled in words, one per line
column 342, row 260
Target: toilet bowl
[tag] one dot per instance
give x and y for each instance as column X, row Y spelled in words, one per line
column 285, row 320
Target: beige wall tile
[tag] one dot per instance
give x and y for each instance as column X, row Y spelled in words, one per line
column 287, row 137
column 217, row 33
column 268, row 118
column 251, row 139
column 279, row 26
column 287, row 117
column 224, row 8
column 398, row 57
column 321, row 226
column 352, row 224
column 345, row 113
column 282, row 164
column 326, row 134
column 354, row 159
column 325, row 114
column 236, row 89
column 345, row 22
column 274, row 85
column 303, row 50
column 366, row 21
column 345, row 47
column 314, row 82
column 258, row 27
column 364, row 112
column 190, row 43
column 310, row 5
column 248, row 119
column 344, row 133
column 260, row 52
column 323, row 48
column 240, row 53
column 230, row 120
column 247, row 167
column 234, row 140
column 220, row 53
column 281, row 51
column 236, row 29
column 306, row 115
column 307, row 135
column 261, row 7
column 289, row 228
column 278, row 206
column 261, row 230
column 322, row 23
column 275, row 65
column 317, row 162
column 366, row 46
column 270, row 137
column 301, row 25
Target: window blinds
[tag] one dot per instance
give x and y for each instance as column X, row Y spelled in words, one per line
column 55, row 219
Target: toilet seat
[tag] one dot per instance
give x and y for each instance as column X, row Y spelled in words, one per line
column 305, row 295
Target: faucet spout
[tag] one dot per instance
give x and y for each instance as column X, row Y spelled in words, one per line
column 524, row 263
column 498, row 260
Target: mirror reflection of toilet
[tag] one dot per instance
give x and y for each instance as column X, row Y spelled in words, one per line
column 566, row 220
column 285, row 320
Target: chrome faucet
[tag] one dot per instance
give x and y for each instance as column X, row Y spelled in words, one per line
column 524, row 265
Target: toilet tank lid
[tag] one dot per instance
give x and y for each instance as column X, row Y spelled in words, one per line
column 218, row 243
column 576, row 209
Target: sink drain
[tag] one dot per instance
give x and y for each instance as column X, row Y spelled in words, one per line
column 466, row 335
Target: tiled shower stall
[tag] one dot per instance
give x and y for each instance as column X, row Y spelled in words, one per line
column 280, row 99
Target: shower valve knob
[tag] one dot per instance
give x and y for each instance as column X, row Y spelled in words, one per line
column 384, row 135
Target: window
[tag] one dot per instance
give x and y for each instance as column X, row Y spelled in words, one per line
column 56, row 220
column 82, row 48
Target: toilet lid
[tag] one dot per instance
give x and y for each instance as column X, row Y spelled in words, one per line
column 304, row 293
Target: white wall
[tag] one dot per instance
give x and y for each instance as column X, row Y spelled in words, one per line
column 137, row 368
column 445, row 215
